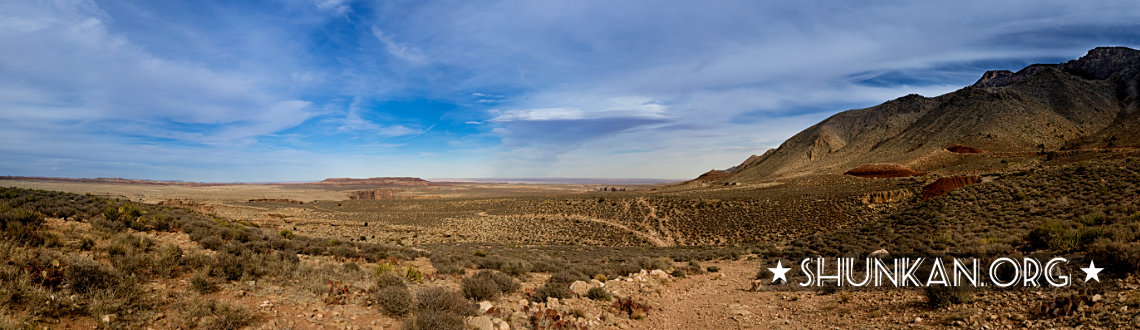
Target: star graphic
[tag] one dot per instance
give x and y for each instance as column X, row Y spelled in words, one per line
column 1092, row 272
column 779, row 273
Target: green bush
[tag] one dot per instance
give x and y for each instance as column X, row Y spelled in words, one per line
column 21, row 225
column 598, row 294
column 517, row 268
column 1053, row 235
column 552, row 290
column 85, row 276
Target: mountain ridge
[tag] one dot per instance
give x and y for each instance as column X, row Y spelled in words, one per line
column 1089, row 102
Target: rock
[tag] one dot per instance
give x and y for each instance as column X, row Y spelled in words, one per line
column 481, row 323
column 504, row 326
column 757, row 285
column 108, row 318
column 266, row 304
column 661, row 274
column 738, row 309
column 597, row 284
column 1096, row 298
column 880, row 254
column 918, row 320
column 579, row 288
column 485, row 306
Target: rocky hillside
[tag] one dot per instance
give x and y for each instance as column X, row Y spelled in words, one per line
column 1089, row 102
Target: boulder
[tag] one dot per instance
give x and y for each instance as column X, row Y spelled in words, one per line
column 660, row 274
column 580, row 288
column 481, row 323
column 485, row 306
column 880, row 254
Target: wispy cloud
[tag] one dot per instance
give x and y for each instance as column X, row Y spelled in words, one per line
column 405, row 52
column 561, row 88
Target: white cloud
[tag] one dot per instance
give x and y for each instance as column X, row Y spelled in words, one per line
column 66, row 65
column 338, row 7
column 408, row 53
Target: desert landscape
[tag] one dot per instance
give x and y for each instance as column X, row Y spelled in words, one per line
column 1037, row 163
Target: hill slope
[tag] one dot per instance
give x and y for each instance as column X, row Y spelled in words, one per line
column 1090, row 102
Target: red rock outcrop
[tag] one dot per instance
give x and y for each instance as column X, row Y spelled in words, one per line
column 276, row 200
column 881, row 170
column 961, row 149
column 944, row 185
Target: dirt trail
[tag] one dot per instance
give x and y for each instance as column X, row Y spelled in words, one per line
column 722, row 300
column 652, row 239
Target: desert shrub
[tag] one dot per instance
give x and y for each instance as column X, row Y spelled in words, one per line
column 489, row 262
column 655, row 263
column 85, row 276
column 487, row 285
column 552, row 290
column 20, row 225
column 436, row 320
column 286, row 234
column 1052, row 235
column 86, row 244
column 939, row 296
column 694, row 267
column 598, row 294
column 168, row 260
column 388, row 279
column 230, row 267
column 567, row 277
column 1118, row 257
column 516, row 268
column 212, row 314
column 201, row 284
column 211, row 243
column 451, row 268
column 713, row 269
column 396, row 300
column 441, row 299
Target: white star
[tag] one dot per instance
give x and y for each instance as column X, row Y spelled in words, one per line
column 1091, row 272
column 779, row 272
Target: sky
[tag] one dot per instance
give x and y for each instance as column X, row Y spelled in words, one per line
column 297, row 90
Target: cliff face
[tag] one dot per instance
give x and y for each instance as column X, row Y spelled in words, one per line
column 1089, row 102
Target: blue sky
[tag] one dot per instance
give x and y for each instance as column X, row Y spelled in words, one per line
column 308, row 89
